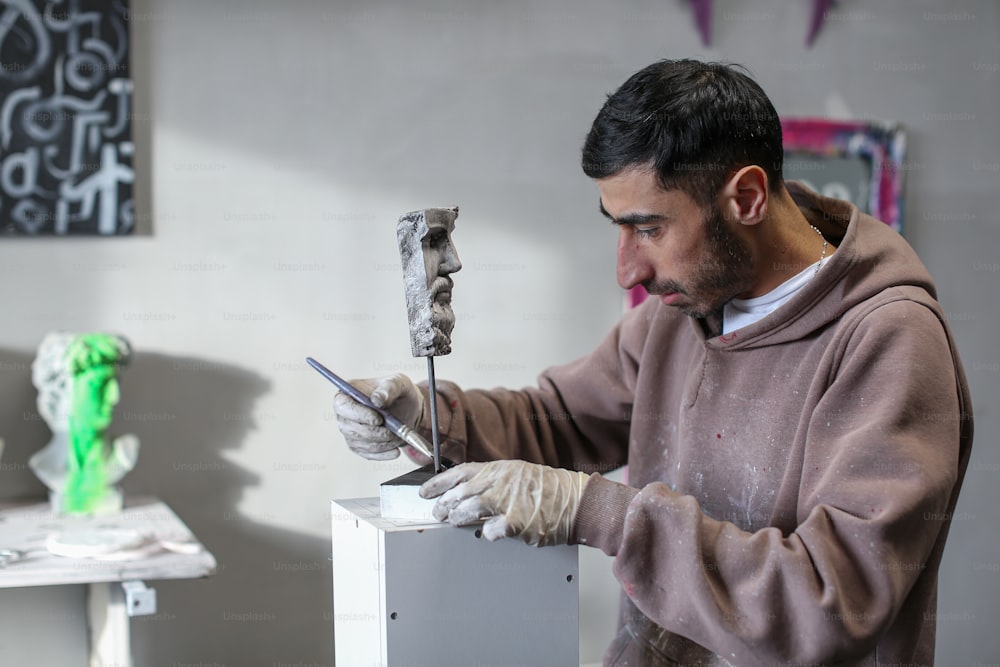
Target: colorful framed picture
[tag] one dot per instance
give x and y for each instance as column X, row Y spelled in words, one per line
column 65, row 119
column 857, row 161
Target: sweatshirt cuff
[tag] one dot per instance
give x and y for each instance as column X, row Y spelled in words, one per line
column 600, row 518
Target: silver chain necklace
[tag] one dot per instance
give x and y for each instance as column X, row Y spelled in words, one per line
column 819, row 264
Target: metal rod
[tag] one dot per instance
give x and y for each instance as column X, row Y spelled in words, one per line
column 432, row 386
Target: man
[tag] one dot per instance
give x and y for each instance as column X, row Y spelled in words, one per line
column 790, row 404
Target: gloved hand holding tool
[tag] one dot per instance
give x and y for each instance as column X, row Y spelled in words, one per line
column 364, row 417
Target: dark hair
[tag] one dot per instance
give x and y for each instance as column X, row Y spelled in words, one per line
column 696, row 123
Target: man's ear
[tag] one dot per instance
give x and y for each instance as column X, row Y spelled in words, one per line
column 744, row 196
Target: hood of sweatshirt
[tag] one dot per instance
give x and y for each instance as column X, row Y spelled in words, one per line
column 871, row 257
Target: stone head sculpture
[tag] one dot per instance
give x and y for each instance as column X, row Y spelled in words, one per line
column 76, row 378
column 429, row 258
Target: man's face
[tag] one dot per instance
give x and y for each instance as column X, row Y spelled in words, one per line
column 667, row 243
column 440, row 260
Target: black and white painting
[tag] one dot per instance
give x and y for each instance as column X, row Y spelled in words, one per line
column 65, row 107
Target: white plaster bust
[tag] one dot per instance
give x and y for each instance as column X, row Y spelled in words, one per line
column 51, row 376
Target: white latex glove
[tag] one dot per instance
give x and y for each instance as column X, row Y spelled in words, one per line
column 363, row 428
column 533, row 501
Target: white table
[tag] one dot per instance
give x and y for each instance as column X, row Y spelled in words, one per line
column 115, row 588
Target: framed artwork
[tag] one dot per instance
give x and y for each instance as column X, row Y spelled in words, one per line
column 860, row 162
column 856, row 161
column 65, row 118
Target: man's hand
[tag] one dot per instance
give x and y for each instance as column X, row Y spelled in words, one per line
column 535, row 502
column 363, row 428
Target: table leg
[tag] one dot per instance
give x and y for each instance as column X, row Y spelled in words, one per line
column 108, row 625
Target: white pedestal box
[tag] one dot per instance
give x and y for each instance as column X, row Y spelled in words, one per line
column 434, row 595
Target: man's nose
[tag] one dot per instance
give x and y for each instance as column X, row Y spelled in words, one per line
column 450, row 263
column 633, row 269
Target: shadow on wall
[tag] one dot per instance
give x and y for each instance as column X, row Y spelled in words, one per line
column 21, row 428
column 270, row 600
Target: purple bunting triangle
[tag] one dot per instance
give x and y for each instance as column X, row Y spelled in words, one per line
column 703, row 19
column 820, row 10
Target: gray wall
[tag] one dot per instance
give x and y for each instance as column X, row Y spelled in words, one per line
column 278, row 143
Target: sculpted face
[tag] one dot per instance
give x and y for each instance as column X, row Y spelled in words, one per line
column 429, row 258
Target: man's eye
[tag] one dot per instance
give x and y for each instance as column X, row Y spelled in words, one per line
column 436, row 238
column 646, row 232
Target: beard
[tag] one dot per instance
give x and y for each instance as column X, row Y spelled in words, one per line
column 431, row 319
column 442, row 316
column 724, row 271
column 442, row 324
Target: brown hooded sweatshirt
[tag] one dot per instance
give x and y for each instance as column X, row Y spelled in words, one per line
column 790, row 484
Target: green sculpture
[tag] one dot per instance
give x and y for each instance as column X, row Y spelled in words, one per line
column 76, row 377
